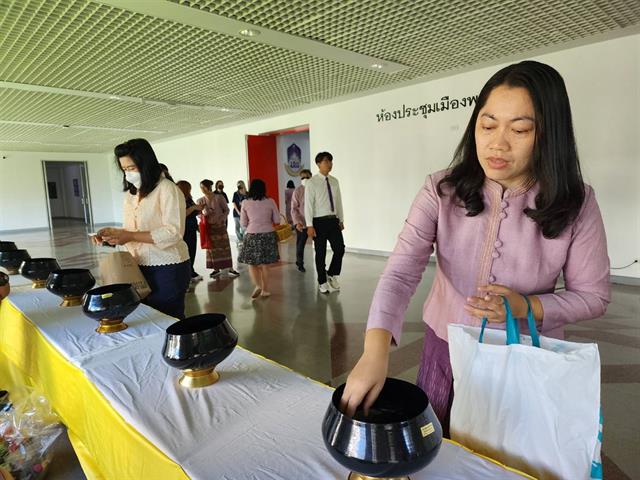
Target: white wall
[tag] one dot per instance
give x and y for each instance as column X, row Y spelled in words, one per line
column 381, row 165
column 23, row 202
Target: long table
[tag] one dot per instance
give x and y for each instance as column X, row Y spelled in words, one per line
column 128, row 417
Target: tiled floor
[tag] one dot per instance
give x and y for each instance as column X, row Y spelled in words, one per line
column 321, row 336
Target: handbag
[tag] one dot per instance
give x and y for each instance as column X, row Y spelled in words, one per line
column 205, row 234
column 283, row 231
column 530, row 402
column 121, row 267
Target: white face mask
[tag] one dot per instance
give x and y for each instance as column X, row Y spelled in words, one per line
column 304, row 181
column 133, row 178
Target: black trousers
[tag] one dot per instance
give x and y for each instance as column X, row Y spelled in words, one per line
column 191, row 239
column 301, row 241
column 169, row 285
column 328, row 229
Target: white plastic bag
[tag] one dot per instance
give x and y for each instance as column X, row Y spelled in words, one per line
column 534, row 409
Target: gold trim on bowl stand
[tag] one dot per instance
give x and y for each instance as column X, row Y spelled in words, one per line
column 199, row 378
column 71, row 301
column 39, row 283
column 359, row 476
column 111, row 325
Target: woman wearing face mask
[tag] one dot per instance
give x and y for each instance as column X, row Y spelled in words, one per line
column 154, row 223
column 508, row 217
column 297, row 215
column 215, row 211
column 220, row 190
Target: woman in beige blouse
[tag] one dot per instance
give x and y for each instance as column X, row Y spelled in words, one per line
column 154, row 218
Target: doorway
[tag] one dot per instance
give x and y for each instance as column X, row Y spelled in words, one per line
column 68, row 195
column 277, row 158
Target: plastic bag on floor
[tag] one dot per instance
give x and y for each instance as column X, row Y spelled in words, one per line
column 28, row 432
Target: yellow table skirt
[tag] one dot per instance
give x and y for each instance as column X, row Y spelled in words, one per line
column 107, row 446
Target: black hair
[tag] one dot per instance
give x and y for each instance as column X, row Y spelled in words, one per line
column 165, row 170
column 322, row 155
column 219, row 182
column 143, row 156
column 257, row 189
column 290, row 184
column 207, row 183
column 185, row 187
column 554, row 164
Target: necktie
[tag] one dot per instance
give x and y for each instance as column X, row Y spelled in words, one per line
column 330, row 194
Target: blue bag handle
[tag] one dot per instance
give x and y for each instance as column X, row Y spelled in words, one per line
column 513, row 328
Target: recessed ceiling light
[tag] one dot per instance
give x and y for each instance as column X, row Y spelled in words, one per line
column 377, row 66
column 114, row 97
column 249, row 32
column 225, row 110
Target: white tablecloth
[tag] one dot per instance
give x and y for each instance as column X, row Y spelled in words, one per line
column 73, row 333
column 18, row 280
column 261, row 421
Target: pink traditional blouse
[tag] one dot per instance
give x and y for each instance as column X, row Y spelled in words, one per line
column 215, row 210
column 258, row 216
column 501, row 245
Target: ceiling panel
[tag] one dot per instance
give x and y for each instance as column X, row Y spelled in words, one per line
column 87, row 46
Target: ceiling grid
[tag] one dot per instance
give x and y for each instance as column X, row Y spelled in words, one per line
column 172, row 78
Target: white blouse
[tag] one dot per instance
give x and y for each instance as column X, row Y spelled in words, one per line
column 162, row 213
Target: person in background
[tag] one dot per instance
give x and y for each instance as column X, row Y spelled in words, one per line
column 220, row 191
column 165, row 170
column 239, row 196
column 288, row 193
column 297, row 215
column 215, row 212
column 191, row 226
column 260, row 247
column 325, row 221
column 5, row 286
column 154, row 218
column 508, row 217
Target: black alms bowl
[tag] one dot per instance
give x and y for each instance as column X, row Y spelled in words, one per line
column 70, row 284
column 400, row 436
column 196, row 345
column 12, row 259
column 7, row 246
column 109, row 305
column 199, row 342
column 38, row 269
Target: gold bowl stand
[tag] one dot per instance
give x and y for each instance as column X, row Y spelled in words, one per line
column 199, row 378
column 359, row 476
column 111, row 325
column 71, row 301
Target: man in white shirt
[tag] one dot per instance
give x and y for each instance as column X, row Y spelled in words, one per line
column 325, row 221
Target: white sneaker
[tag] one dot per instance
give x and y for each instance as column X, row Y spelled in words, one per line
column 196, row 278
column 324, row 288
column 333, row 282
